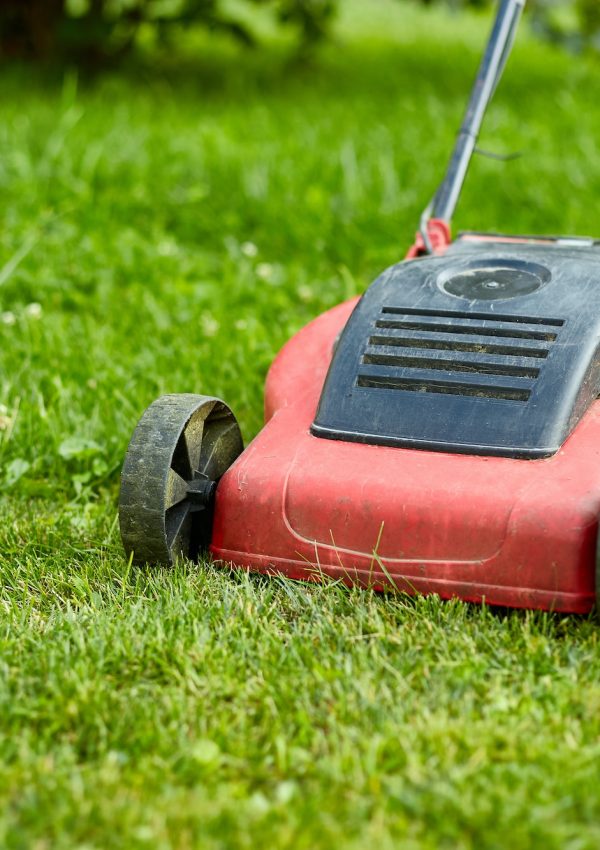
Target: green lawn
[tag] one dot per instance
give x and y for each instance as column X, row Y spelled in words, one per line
column 195, row 708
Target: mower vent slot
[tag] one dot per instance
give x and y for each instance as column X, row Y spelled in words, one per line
column 473, row 366
column 457, row 314
column 514, row 333
column 446, row 387
column 481, row 355
column 458, row 345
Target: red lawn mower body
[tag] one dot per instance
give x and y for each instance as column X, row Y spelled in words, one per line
column 506, row 531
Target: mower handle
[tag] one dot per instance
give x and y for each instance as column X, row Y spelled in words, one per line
column 492, row 65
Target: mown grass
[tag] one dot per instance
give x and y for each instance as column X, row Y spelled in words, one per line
column 197, row 708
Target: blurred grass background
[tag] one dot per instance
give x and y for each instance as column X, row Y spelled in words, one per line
column 167, row 228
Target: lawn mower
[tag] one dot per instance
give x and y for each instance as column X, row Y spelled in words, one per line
column 439, row 434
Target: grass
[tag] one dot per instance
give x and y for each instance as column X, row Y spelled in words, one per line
column 197, row 708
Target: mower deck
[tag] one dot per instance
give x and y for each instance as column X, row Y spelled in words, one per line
column 507, row 531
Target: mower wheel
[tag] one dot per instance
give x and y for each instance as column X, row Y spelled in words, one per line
column 179, row 450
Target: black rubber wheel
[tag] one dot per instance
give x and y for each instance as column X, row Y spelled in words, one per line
column 180, row 448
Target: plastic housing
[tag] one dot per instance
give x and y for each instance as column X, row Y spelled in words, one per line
column 490, row 349
column 512, row 532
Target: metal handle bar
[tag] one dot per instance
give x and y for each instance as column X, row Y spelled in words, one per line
column 492, row 65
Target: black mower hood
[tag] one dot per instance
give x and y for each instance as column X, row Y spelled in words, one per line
column 491, row 349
